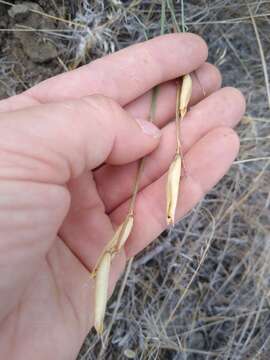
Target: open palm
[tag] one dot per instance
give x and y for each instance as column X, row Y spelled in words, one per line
column 68, row 160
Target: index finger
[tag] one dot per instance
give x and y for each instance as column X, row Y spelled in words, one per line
column 124, row 75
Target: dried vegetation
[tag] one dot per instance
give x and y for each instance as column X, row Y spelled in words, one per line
column 201, row 290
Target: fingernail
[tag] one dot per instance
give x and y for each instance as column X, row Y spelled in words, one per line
column 149, row 128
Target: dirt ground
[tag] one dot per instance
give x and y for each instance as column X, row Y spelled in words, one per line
column 27, row 56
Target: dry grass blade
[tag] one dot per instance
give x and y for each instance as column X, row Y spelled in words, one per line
column 263, row 60
column 195, row 272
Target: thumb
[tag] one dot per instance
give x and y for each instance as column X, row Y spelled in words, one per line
column 41, row 149
column 62, row 140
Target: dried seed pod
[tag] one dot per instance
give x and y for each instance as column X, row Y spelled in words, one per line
column 102, row 271
column 101, row 290
column 185, row 95
column 172, row 189
column 117, row 242
column 123, row 232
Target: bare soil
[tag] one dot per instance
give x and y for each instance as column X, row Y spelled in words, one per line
column 28, row 56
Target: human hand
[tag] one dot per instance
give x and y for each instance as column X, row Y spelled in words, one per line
column 67, row 166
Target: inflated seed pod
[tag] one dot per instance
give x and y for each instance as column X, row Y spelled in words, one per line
column 172, row 189
column 101, row 290
column 123, row 232
column 186, row 91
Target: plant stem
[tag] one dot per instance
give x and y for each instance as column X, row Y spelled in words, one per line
column 163, row 17
column 183, row 17
column 142, row 161
column 136, row 186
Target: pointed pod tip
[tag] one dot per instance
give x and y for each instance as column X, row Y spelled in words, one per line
column 92, row 274
column 170, row 221
column 124, row 232
column 99, row 328
column 183, row 112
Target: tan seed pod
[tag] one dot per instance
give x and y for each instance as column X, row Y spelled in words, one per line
column 117, row 242
column 102, row 271
column 185, row 95
column 173, row 182
column 123, row 232
column 101, row 290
